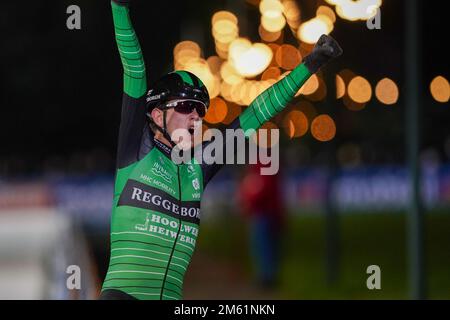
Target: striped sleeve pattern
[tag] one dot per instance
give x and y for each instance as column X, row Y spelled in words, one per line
column 148, row 266
column 274, row 99
column 135, row 83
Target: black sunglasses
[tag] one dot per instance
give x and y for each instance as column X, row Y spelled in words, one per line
column 187, row 106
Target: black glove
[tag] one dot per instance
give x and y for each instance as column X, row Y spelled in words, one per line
column 325, row 50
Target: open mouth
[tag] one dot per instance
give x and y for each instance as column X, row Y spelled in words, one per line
column 194, row 127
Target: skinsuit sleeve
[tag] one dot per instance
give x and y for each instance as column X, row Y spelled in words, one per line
column 273, row 100
column 134, row 141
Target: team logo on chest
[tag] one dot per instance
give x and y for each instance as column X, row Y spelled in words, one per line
column 196, row 184
column 190, row 170
column 159, row 171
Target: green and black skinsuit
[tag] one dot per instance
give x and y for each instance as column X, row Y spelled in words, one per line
column 156, row 206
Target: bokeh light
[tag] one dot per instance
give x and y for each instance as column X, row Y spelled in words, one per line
column 340, row 87
column 268, row 36
column 272, row 18
column 311, row 30
column 387, row 91
column 225, row 90
column 243, row 96
column 249, row 59
column 217, row 111
column 292, row 13
column 359, row 90
column 235, row 93
column 310, row 86
column 323, row 128
column 354, row 10
column 440, row 89
column 224, row 15
column 214, row 63
column 229, row 74
column 295, row 124
column 288, row 56
column 222, row 52
column 271, row 73
column 273, row 24
column 184, row 53
column 274, row 47
column 187, row 47
column 326, row 11
column 253, row 92
column 271, row 8
column 224, row 30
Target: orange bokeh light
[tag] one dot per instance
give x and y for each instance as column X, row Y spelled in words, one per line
column 386, row 91
column 340, row 87
column 234, row 111
column 295, row 124
column 271, row 73
column 440, row 89
column 323, row 128
column 359, row 90
column 217, row 111
column 288, row 57
column 267, row 35
column 310, row 86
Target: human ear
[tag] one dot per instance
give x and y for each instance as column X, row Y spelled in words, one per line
column 157, row 116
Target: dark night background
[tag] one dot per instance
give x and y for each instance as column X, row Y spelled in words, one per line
column 61, row 89
column 60, row 99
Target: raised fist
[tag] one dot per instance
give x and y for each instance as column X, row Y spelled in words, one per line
column 325, row 50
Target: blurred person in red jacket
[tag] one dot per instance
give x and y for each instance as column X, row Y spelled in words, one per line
column 260, row 198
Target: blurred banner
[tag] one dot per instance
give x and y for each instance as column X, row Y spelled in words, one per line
column 378, row 188
column 367, row 189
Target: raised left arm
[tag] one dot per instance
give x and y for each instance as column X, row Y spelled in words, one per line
column 277, row 97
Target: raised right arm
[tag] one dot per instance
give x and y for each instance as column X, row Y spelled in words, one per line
column 134, row 77
column 134, row 140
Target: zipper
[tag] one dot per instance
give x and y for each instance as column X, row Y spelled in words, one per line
column 176, row 238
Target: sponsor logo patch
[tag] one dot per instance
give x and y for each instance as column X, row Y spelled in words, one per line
column 140, row 195
column 159, row 171
column 196, row 184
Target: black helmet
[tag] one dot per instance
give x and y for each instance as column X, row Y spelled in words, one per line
column 174, row 86
column 177, row 85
